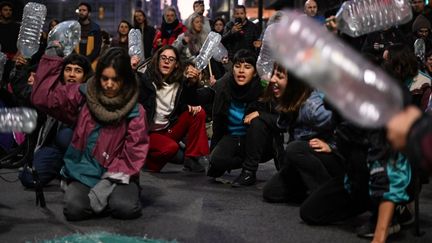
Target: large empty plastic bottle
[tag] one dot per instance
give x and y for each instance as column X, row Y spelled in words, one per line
column 135, row 43
column 361, row 91
column 220, row 53
column 265, row 59
column 211, row 42
column 359, row 17
column 67, row 33
column 420, row 49
column 31, row 28
column 3, row 59
column 17, row 119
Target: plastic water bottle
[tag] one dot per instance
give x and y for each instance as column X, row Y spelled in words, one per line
column 211, row 42
column 31, row 28
column 359, row 17
column 17, row 119
column 220, row 53
column 420, row 49
column 135, row 43
column 361, row 91
column 3, row 59
column 265, row 58
column 67, row 33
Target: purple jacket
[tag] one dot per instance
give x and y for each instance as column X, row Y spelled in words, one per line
column 94, row 149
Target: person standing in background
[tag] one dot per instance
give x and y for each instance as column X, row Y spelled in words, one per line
column 91, row 38
column 9, row 30
column 148, row 32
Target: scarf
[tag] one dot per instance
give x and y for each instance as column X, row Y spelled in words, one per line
column 167, row 29
column 245, row 93
column 110, row 110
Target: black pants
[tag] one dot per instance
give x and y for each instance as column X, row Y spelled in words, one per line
column 302, row 172
column 123, row 203
column 332, row 203
column 233, row 152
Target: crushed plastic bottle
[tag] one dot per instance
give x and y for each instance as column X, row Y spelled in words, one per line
column 420, row 49
column 220, row 53
column 135, row 43
column 359, row 17
column 18, row 119
column 207, row 50
column 265, row 59
column 361, row 91
column 3, row 59
column 31, row 28
column 67, row 33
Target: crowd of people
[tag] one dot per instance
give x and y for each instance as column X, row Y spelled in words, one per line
column 105, row 117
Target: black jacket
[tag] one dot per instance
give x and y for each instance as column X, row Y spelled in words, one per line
column 221, row 103
column 186, row 95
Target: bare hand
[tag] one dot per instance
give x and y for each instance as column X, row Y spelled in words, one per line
column 331, row 23
column 399, row 126
column 134, row 61
column 236, row 28
column 212, row 80
column 192, row 74
column 319, row 145
column 194, row 109
column 186, row 39
column 249, row 117
column 20, row 60
column 159, row 42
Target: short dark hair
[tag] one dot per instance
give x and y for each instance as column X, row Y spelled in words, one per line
column 244, row 55
column 198, row 2
column 6, row 3
column 85, row 4
column 241, row 6
column 80, row 60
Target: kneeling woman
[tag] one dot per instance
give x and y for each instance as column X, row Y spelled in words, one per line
column 170, row 96
column 310, row 156
column 109, row 143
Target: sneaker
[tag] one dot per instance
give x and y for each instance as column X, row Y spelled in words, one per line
column 367, row 230
column 192, row 164
column 246, row 178
column 405, row 214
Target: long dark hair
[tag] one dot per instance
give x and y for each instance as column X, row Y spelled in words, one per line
column 156, row 75
column 402, row 63
column 119, row 60
column 136, row 25
column 295, row 94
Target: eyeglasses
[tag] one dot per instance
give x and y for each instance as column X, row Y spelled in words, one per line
column 164, row 58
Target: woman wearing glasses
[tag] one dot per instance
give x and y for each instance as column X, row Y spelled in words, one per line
column 169, row 95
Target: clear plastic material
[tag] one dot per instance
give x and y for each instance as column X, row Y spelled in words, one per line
column 3, row 59
column 135, row 43
column 420, row 49
column 220, row 53
column 361, row 91
column 207, row 50
column 359, row 17
column 31, row 28
column 17, row 119
column 67, row 33
column 265, row 59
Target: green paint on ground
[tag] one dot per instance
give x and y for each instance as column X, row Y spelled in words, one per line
column 104, row 237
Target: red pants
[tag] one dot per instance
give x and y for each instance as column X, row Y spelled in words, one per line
column 164, row 143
